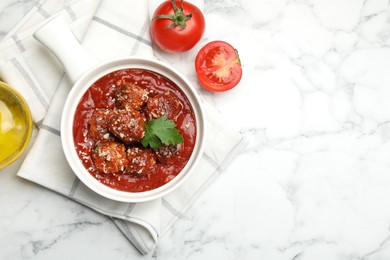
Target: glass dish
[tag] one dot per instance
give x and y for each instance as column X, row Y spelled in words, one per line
column 15, row 125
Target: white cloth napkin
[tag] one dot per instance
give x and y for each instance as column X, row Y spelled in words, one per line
column 109, row 29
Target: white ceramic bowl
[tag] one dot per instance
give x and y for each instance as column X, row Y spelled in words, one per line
column 84, row 74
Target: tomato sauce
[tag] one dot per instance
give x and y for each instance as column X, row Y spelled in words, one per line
column 101, row 95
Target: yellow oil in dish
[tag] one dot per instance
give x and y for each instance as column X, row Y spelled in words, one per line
column 15, row 125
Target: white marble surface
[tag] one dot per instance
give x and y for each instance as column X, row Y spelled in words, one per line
column 314, row 182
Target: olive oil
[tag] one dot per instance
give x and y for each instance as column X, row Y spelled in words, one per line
column 15, row 125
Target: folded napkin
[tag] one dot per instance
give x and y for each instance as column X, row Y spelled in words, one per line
column 109, row 29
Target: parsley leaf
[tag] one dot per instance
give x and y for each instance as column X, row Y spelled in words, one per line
column 161, row 131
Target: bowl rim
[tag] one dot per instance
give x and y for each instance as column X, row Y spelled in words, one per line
column 78, row 90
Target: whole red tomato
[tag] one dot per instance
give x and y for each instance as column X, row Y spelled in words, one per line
column 177, row 26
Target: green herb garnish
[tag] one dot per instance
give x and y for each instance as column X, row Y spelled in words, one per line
column 161, row 131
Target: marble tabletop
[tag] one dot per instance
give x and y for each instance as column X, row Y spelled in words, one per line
column 314, row 182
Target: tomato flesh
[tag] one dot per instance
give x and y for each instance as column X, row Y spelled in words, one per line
column 218, row 66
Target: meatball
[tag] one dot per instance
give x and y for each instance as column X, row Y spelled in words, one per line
column 165, row 104
column 167, row 154
column 110, row 157
column 127, row 125
column 130, row 96
column 141, row 161
column 97, row 125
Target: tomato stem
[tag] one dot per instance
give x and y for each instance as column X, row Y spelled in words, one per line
column 238, row 57
column 175, row 6
column 178, row 18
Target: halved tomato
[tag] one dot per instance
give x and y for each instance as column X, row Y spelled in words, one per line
column 218, row 66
